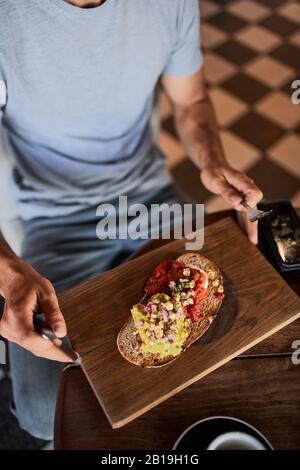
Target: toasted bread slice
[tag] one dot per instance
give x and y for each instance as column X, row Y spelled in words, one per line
column 127, row 342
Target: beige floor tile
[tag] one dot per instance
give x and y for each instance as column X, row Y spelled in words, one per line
column 259, row 38
column 239, row 153
column 279, row 108
column 171, row 147
column 228, row 108
column 217, row 69
column 270, row 71
column 249, row 10
column 211, row 36
column 295, row 38
column 296, row 199
column 164, row 106
column 291, row 11
column 215, row 204
column 286, row 153
column 208, row 8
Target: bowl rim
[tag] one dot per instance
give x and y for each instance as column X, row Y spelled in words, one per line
column 221, row 417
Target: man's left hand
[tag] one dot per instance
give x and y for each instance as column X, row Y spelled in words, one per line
column 234, row 187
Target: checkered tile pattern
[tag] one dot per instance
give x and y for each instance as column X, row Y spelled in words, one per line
column 252, row 55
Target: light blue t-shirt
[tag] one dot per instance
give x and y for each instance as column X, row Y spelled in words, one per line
column 77, row 88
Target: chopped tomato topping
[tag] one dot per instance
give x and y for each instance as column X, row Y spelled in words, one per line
column 165, row 272
column 170, row 270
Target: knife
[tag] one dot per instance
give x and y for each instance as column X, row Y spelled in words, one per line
column 43, row 329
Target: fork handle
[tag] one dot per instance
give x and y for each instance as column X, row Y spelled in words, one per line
column 249, row 208
column 252, row 213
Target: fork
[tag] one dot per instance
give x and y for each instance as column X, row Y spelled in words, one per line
column 255, row 214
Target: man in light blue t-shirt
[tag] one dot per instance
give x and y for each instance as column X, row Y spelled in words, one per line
column 77, row 83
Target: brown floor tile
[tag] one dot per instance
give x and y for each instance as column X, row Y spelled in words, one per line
column 187, row 176
column 168, row 125
column 279, row 108
column 223, row 2
column 259, row 38
column 236, row 52
column 228, row 107
column 249, row 10
column 227, row 22
column 286, row 154
column 271, row 3
column 289, row 54
column 291, row 11
column 172, row 148
column 211, row 36
column 245, row 87
column 279, row 24
column 274, row 181
column 295, row 38
column 239, row 153
column 208, row 8
column 270, row 71
column 257, row 130
column 217, row 69
column 287, row 87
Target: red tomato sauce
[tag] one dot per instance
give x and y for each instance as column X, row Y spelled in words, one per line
column 170, row 270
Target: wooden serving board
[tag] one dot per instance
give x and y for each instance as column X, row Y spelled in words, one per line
column 257, row 304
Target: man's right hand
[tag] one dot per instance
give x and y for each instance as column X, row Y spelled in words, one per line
column 26, row 292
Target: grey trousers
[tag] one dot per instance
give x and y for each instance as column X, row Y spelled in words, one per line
column 66, row 251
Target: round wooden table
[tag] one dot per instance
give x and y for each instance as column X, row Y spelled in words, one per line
column 261, row 387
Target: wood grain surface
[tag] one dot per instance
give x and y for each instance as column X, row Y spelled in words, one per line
column 258, row 303
column 263, row 392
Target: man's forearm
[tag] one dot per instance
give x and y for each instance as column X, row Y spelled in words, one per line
column 197, row 128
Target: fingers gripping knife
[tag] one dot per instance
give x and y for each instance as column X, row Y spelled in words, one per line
column 44, row 330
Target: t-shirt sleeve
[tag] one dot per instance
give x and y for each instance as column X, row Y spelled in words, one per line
column 186, row 57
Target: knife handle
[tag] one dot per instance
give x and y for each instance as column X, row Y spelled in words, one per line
column 44, row 330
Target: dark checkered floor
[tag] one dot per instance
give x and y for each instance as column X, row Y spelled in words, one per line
column 252, row 54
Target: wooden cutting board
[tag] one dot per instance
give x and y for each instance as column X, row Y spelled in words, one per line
column 257, row 304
